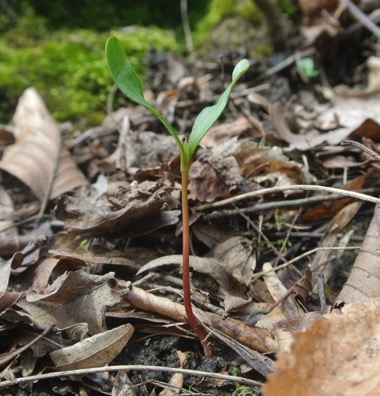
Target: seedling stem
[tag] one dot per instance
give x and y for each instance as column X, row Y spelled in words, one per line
column 130, row 84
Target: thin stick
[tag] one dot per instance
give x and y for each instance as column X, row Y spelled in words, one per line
column 308, row 253
column 361, row 147
column 262, row 207
column 17, row 352
column 277, row 189
column 87, row 371
column 363, row 18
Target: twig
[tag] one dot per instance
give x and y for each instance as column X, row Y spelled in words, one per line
column 17, row 352
column 364, row 20
column 258, row 208
column 272, row 190
column 87, row 371
column 309, row 235
column 361, row 147
column 321, row 293
column 303, row 255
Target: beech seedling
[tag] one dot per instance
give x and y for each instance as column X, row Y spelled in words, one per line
column 130, row 84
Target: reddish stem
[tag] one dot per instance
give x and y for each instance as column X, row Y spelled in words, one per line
column 186, row 268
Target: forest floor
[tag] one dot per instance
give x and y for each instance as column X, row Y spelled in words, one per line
column 285, row 232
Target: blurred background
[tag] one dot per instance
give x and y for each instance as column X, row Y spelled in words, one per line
column 58, row 47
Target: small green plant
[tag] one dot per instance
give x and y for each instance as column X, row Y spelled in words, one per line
column 241, row 390
column 130, row 84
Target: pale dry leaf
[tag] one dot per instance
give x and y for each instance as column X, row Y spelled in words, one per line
column 95, row 351
column 176, row 381
column 221, row 133
column 364, row 278
column 237, row 255
column 6, row 213
column 73, row 298
column 123, row 385
column 38, row 151
column 289, row 306
column 339, row 355
column 6, row 267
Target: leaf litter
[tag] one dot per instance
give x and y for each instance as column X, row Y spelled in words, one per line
column 277, row 281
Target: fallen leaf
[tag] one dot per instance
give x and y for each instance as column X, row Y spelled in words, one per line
column 364, row 278
column 338, row 355
column 221, row 133
column 5, row 269
column 95, row 351
column 6, row 213
column 7, row 299
column 264, row 165
column 73, row 298
column 213, row 178
column 138, row 216
column 237, row 256
column 38, row 156
column 289, row 306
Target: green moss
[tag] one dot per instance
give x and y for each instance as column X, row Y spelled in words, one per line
column 68, row 67
column 221, row 9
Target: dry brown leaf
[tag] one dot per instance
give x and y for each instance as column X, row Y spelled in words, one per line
column 264, row 164
column 6, row 135
column 213, row 178
column 7, row 299
column 339, row 355
column 95, row 351
column 140, row 150
column 44, row 269
column 140, row 215
column 237, row 255
column 364, row 279
column 221, row 133
column 73, row 298
column 38, row 156
column 312, row 7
